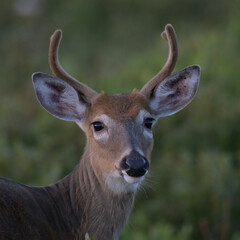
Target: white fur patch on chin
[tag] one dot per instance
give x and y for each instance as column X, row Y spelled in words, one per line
column 120, row 184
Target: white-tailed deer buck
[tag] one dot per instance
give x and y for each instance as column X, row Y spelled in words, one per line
column 97, row 197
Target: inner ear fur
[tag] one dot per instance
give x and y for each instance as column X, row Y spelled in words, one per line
column 175, row 92
column 58, row 97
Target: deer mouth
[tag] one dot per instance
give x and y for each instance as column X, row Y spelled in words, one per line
column 130, row 179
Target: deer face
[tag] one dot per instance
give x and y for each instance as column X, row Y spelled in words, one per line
column 118, row 127
column 119, row 133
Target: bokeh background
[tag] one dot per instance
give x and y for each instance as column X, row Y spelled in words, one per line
column 193, row 189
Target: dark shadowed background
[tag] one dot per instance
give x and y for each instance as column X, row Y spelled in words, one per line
column 193, row 189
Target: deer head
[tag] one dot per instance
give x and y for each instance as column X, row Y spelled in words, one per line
column 118, row 127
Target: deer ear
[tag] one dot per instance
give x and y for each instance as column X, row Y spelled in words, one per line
column 58, row 97
column 175, row 92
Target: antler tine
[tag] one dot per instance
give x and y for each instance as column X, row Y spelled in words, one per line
column 169, row 35
column 58, row 70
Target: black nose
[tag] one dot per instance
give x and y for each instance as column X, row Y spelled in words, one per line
column 135, row 164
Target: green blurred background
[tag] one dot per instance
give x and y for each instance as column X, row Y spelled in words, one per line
column 193, row 189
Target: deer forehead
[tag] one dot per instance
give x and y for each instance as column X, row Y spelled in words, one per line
column 119, row 106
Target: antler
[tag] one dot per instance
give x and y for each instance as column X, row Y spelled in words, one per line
column 85, row 91
column 169, row 35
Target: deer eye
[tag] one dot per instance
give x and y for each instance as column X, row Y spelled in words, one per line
column 98, row 126
column 148, row 122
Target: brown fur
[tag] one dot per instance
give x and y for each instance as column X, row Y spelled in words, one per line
column 69, row 209
column 119, row 106
column 80, row 203
column 123, row 132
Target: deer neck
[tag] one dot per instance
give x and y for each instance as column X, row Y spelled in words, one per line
column 99, row 212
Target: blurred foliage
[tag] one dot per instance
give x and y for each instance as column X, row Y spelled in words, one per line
column 193, row 188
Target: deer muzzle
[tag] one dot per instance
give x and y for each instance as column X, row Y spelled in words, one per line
column 134, row 164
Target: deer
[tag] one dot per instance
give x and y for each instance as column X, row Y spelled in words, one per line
column 97, row 197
